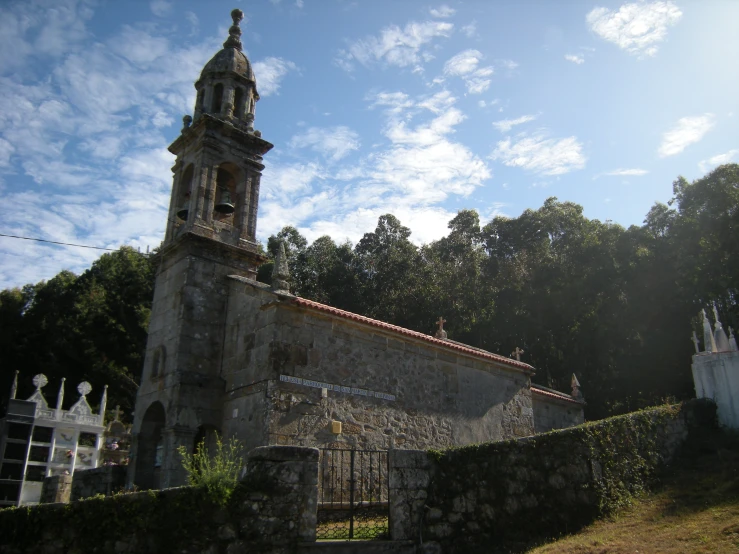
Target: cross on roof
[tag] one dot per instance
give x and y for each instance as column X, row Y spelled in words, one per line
column 441, row 323
column 517, row 354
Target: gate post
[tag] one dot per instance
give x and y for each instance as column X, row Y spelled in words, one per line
column 282, row 497
column 410, row 475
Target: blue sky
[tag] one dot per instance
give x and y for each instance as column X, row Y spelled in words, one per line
column 414, row 108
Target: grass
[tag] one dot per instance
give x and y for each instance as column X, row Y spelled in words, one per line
column 696, row 510
column 366, row 528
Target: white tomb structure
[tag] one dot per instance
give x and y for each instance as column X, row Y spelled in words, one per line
column 716, row 370
column 37, row 441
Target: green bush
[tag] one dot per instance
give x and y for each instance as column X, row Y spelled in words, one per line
column 217, row 472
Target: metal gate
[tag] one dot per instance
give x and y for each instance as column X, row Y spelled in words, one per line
column 353, row 494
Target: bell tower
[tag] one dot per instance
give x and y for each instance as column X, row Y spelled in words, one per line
column 211, row 233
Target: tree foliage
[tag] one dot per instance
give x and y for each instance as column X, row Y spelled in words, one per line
column 92, row 327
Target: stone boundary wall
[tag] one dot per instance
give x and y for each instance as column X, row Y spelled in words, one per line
column 271, row 511
column 474, row 498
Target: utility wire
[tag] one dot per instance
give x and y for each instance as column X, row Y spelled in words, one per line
column 61, row 243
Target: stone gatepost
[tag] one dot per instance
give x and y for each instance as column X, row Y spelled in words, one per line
column 410, row 474
column 280, row 508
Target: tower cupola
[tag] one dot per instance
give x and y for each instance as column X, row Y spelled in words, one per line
column 227, row 87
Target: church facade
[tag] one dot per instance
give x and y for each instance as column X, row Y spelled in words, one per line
column 229, row 355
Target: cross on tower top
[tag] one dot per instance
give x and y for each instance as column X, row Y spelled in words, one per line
column 440, row 333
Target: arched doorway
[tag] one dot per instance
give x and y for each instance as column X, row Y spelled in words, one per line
column 150, row 451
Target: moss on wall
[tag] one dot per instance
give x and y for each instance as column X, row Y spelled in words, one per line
column 510, row 492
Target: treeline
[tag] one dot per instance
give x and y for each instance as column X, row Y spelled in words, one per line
column 92, row 327
column 612, row 305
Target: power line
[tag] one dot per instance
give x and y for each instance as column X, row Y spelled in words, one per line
column 60, row 243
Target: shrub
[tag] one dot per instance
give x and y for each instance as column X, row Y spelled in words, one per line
column 217, row 472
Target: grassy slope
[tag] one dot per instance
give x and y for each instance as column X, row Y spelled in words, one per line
column 695, row 510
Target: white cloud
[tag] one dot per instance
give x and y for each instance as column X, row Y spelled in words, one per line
column 636, row 28
column 395, row 102
column 577, row 59
column 160, row 7
column 194, row 22
column 509, row 64
column 299, row 4
column 687, row 130
column 470, row 30
column 540, row 154
column 394, row 46
column 6, row 150
column 334, row 142
column 714, row 161
column 417, row 168
column 442, row 11
column 465, row 65
column 635, row 172
column 506, row 125
column 270, row 72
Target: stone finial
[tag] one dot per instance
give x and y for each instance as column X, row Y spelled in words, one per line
column 575, row 384
column 696, row 343
column 103, row 404
column 440, row 333
column 60, row 396
column 281, row 272
column 186, row 122
column 234, row 32
column 719, row 335
column 517, row 354
column 709, row 343
column 14, row 386
column 732, row 341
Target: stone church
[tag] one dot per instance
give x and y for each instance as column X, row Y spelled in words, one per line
column 229, row 355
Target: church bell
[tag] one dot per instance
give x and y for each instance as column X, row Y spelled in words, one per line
column 225, row 206
column 184, row 210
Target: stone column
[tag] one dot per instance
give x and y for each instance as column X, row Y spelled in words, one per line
column 245, row 207
column 410, row 475
column 197, row 197
column 210, row 195
column 253, row 206
column 172, row 472
column 228, row 101
column 281, row 502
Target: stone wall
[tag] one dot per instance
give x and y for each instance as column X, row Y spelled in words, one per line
column 716, row 376
column 104, row 480
column 56, row 489
column 475, row 498
column 401, row 391
column 272, row 511
column 553, row 410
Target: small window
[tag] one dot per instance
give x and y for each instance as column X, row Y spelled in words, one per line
column 239, row 103
column 88, row 439
column 42, row 434
column 35, row 473
column 11, row 471
column 18, row 431
column 15, row 451
column 217, row 98
column 157, row 362
column 39, row 454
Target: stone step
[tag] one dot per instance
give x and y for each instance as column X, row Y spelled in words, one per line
column 357, row 547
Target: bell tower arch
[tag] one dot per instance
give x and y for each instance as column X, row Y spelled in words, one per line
column 210, row 234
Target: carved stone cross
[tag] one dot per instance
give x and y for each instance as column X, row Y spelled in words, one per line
column 517, row 354
column 441, row 323
column 440, row 333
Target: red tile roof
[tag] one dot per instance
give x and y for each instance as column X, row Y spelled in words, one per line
column 555, row 394
column 415, row 334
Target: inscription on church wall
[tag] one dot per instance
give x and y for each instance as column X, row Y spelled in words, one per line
column 335, row 388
